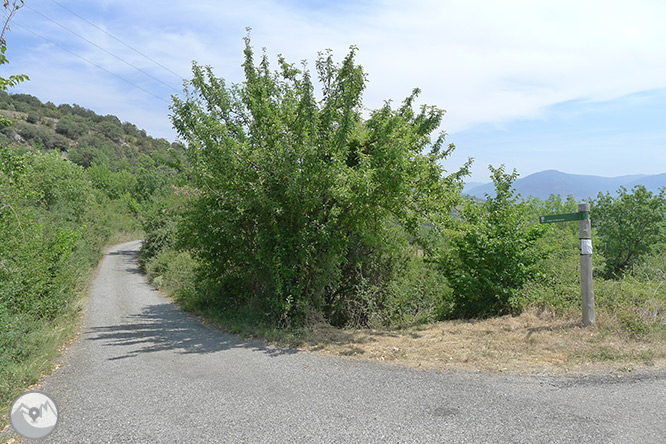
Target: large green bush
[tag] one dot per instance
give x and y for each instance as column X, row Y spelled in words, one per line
column 290, row 184
column 72, row 126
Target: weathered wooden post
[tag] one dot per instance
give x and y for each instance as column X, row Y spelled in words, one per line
column 585, row 235
column 586, row 290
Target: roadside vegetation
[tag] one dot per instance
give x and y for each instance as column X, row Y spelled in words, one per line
column 64, row 197
column 305, row 211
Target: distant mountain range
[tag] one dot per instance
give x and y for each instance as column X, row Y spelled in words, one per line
column 545, row 183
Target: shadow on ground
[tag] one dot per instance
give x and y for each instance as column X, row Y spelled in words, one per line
column 131, row 259
column 163, row 326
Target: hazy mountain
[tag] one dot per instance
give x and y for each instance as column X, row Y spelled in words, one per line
column 545, row 183
column 652, row 183
column 471, row 185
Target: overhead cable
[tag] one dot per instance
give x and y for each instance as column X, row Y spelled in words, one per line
column 117, row 39
column 106, row 51
column 15, row 23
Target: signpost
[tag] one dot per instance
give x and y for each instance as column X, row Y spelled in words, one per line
column 581, row 215
column 585, row 235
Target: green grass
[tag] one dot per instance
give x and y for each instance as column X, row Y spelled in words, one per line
column 247, row 325
column 42, row 344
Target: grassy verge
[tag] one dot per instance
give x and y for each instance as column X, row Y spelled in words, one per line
column 45, row 343
column 532, row 343
column 43, row 346
column 535, row 342
column 547, row 338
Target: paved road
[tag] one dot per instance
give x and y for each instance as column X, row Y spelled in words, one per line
column 144, row 372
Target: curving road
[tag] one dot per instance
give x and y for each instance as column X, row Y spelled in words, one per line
column 144, row 372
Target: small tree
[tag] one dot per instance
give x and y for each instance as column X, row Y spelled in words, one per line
column 628, row 226
column 288, row 181
column 494, row 252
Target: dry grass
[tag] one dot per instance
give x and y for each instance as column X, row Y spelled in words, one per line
column 531, row 343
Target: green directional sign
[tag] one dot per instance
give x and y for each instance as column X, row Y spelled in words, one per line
column 581, row 215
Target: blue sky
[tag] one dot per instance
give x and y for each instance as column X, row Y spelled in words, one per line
column 573, row 85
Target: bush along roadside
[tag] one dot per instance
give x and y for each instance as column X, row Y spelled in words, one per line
column 55, row 220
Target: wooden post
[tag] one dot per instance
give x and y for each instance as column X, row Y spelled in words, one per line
column 586, row 290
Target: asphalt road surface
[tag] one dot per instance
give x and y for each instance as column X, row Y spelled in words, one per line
column 144, row 372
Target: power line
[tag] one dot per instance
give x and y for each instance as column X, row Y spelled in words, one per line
column 106, row 51
column 117, row 39
column 88, row 61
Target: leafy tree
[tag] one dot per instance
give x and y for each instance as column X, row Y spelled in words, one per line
column 628, row 226
column 287, row 182
column 113, row 184
column 57, row 184
column 493, row 252
column 93, row 149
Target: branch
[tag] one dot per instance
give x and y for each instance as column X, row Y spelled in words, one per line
column 17, row 220
column 12, row 10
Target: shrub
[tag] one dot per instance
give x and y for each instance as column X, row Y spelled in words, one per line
column 33, row 118
column 172, row 271
column 110, row 130
column 289, row 182
column 160, row 225
column 494, row 253
column 72, row 126
column 628, row 226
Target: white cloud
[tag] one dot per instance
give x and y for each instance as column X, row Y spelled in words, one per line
column 483, row 61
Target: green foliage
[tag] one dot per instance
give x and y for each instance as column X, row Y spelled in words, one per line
column 628, row 226
column 557, row 286
column 634, row 303
column 33, row 118
column 290, row 184
column 58, row 185
column 53, row 226
column 44, row 251
column 87, row 138
column 386, row 284
column 637, row 301
column 494, row 252
column 111, row 130
column 160, row 226
column 72, row 126
column 115, row 185
column 44, row 202
column 41, row 137
column 173, row 271
column 56, row 217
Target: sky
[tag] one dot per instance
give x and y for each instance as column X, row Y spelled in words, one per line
column 573, row 85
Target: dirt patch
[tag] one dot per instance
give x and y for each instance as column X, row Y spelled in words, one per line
column 525, row 344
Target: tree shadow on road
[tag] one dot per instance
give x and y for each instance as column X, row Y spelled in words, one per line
column 163, row 327
column 131, row 259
